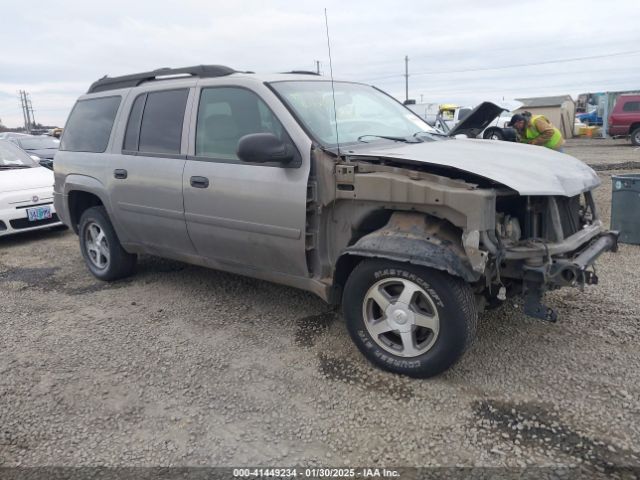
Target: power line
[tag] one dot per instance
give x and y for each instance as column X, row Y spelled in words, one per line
column 518, row 65
column 487, row 51
column 509, row 77
column 585, row 85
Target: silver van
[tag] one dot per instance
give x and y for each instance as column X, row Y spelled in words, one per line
column 331, row 187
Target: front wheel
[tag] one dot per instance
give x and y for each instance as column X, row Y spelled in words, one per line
column 493, row 134
column 408, row 319
column 635, row 137
column 100, row 247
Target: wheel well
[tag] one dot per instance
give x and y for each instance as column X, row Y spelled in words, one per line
column 373, row 221
column 633, row 127
column 346, row 263
column 80, row 201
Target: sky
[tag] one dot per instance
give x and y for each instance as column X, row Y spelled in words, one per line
column 459, row 51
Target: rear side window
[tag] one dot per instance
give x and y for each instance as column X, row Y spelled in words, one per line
column 89, row 126
column 631, row 107
column 155, row 122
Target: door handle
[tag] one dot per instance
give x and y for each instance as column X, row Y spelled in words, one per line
column 120, row 173
column 199, row 182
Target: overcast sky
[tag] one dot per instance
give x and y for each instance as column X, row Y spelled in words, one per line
column 459, row 51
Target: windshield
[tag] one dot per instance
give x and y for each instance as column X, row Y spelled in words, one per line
column 38, row 143
column 363, row 113
column 12, row 157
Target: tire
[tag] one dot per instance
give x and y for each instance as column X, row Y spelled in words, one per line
column 635, row 137
column 493, row 134
column 104, row 256
column 443, row 305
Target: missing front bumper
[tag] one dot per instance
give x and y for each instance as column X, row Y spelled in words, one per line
column 562, row 272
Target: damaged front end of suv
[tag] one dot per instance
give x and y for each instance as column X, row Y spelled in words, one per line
column 414, row 232
column 522, row 228
column 543, row 243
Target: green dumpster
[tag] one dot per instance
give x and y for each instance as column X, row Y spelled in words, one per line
column 625, row 207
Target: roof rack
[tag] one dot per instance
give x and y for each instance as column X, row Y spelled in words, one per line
column 135, row 79
column 302, row 72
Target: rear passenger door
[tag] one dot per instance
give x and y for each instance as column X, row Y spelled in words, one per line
column 147, row 175
column 238, row 213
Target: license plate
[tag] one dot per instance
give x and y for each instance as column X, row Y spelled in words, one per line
column 39, row 213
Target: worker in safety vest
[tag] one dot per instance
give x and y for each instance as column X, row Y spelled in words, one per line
column 538, row 130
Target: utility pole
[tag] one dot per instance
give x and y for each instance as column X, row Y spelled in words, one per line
column 406, row 77
column 317, row 66
column 24, row 112
column 30, row 105
column 27, row 110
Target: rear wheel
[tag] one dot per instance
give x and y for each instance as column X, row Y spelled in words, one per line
column 409, row 319
column 100, row 247
column 635, row 137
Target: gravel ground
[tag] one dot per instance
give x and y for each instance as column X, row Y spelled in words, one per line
column 180, row 365
column 604, row 154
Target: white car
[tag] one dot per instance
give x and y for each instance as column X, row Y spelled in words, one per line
column 26, row 192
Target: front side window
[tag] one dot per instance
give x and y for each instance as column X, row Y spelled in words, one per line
column 89, row 126
column 155, row 122
column 225, row 115
column 361, row 112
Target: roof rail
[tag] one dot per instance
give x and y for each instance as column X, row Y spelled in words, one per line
column 301, row 72
column 135, row 79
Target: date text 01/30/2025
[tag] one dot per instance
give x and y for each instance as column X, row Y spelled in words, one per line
column 316, row 472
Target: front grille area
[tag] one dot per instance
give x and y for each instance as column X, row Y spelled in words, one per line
column 569, row 210
column 25, row 223
column 3, row 226
column 551, row 219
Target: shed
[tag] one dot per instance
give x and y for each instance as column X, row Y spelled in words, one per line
column 560, row 110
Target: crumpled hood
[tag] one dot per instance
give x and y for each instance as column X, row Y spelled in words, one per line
column 25, row 179
column 528, row 169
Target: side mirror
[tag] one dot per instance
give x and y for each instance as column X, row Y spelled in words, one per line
column 262, row 148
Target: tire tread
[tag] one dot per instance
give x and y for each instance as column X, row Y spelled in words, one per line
column 456, row 293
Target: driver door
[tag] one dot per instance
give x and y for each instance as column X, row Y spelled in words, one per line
column 237, row 213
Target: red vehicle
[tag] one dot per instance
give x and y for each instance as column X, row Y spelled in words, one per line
column 624, row 120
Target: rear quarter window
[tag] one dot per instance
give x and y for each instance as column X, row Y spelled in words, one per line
column 631, row 107
column 89, row 126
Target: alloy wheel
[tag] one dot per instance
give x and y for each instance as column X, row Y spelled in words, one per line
column 97, row 246
column 401, row 317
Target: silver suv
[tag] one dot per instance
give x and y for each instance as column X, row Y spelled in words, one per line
column 331, row 187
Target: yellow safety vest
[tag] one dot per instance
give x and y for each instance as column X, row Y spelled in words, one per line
column 532, row 132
